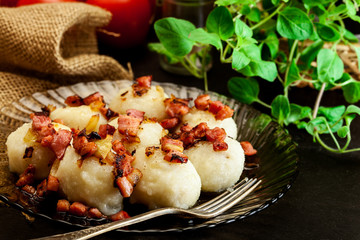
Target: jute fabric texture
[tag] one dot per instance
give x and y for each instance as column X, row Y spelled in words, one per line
column 43, row 46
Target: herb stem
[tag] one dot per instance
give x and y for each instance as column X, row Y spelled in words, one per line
column 203, row 68
column 268, row 17
column 318, row 100
column 263, row 103
column 332, row 136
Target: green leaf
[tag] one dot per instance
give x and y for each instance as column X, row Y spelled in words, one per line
column 316, row 125
column 230, row 2
column 220, row 22
column 173, row 34
column 357, row 50
column 244, row 90
column 310, row 53
column 327, row 33
column 280, row 108
column 352, row 109
column 293, row 23
column 332, row 114
column 337, row 10
column 252, row 51
column 201, row 36
column 242, row 30
column 272, row 42
column 343, row 131
column 294, row 74
column 351, row 10
column 329, row 66
column 264, row 69
column 239, row 60
column 160, row 49
column 351, row 92
column 254, row 15
column 297, row 113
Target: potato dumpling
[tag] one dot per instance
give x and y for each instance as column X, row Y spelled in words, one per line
column 165, row 184
column 78, row 117
column 218, row 170
column 22, row 140
column 195, row 117
column 151, row 102
column 88, row 181
column 149, row 134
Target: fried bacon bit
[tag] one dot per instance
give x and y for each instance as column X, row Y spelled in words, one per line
column 135, row 114
column 202, row 102
column 78, row 209
column 106, row 129
column 168, row 144
column 63, row 205
column 134, row 177
column 220, row 110
column 144, row 81
column 124, row 186
column 108, row 113
column 220, row 146
column 215, row 134
column 176, row 157
column 95, row 97
column 95, row 213
column 185, row 128
column 176, row 107
column 42, row 125
column 74, row 101
column 248, row 148
column 119, row 216
column 27, row 177
column 82, row 145
column 200, row 130
column 169, row 123
column 53, row 183
column 150, row 150
column 29, row 189
column 61, row 140
column 28, row 152
column 128, row 125
column 41, row 188
column 47, row 110
column 118, row 147
column 188, row 138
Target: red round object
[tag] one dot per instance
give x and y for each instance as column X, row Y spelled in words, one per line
column 29, row 2
column 130, row 21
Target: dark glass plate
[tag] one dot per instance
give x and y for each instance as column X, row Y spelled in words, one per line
column 275, row 163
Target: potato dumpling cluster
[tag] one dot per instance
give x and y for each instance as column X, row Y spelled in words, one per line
column 144, row 147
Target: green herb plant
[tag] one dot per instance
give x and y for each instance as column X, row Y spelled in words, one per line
column 249, row 34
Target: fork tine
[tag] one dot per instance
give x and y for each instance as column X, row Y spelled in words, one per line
column 233, row 198
column 213, row 201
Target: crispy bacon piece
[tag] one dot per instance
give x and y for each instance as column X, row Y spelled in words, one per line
column 176, row 157
column 118, row 147
column 215, row 106
column 119, row 216
column 144, row 81
column 106, row 129
column 128, row 125
column 74, row 101
column 248, row 148
column 220, row 146
column 28, row 152
column 82, row 145
column 185, row 128
column 29, row 189
column 168, row 144
column 134, row 177
column 42, row 125
column 27, row 177
column 202, row 102
column 63, row 205
column 78, row 209
column 95, row 213
column 124, row 186
column 53, row 183
column 169, row 123
column 176, row 107
column 61, row 140
column 135, row 114
column 225, row 112
column 188, row 138
column 215, row 134
column 93, row 98
column 108, row 113
column 200, row 130
column 41, row 188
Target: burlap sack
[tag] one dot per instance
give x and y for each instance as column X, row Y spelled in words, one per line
column 46, row 45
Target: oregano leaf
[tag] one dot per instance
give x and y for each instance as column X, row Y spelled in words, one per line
column 329, row 66
column 244, row 90
column 280, row 108
column 220, row 22
column 201, row 36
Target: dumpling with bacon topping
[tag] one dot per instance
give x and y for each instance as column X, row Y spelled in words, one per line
column 88, row 112
column 136, row 131
column 169, row 179
column 143, row 97
column 218, row 159
column 98, row 179
column 37, row 144
column 214, row 113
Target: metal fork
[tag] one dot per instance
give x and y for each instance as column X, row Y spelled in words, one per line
column 209, row 209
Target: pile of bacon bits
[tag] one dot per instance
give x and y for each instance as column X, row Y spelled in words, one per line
column 126, row 177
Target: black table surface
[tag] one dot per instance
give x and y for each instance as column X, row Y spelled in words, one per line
column 323, row 202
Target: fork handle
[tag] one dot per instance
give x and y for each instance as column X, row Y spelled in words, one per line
column 97, row 230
